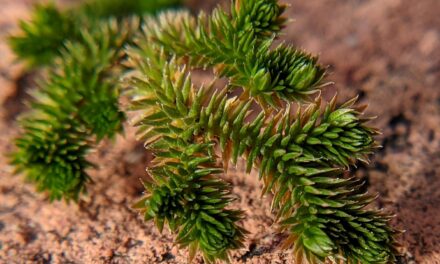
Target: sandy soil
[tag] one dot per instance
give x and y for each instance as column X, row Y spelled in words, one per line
column 388, row 51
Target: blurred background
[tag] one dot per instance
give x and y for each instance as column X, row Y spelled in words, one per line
column 385, row 51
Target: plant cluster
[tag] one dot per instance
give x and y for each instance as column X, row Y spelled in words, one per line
column 76, row 104
column 269, row 113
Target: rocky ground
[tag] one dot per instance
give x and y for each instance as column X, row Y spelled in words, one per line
column 387, row 51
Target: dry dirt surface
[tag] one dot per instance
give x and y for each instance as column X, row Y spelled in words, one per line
column 387, row 51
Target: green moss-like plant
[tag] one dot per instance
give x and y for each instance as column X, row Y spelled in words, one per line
column 302, row 146
column 76, row 104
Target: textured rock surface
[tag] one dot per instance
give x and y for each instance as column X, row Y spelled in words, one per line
column 388, row 51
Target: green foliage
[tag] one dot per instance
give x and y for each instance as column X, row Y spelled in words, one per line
column 43, row 38
column 52, row 153
column 302, row 156
column 185, row 191
column 303, row 150
column 77, row 100
column 188, row 196
column 238, row 46
column 77, row 103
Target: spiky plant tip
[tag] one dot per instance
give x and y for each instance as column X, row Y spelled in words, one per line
column 265, row 17
column 186, row 195
column 51, row 155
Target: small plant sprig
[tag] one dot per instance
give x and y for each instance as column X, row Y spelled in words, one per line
column 76, row 104
column 302, row 158
column 76, row 100
column 238, row 47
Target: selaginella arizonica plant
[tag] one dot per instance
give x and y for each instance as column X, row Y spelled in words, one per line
column 270, row 113
column 76, row 104
column 302, row 146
